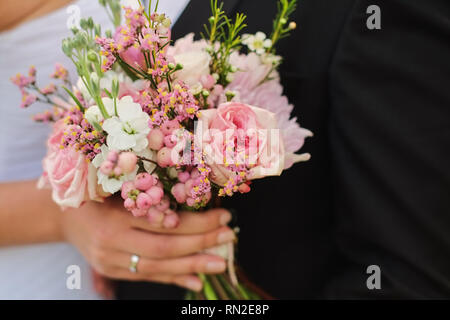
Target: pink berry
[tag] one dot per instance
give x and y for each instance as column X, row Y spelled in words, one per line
column 170, row 141
column 171, row 221
column 118, row 171
column 143, row 181
column 164, row 204
column 144, row 201
column 155, row 193
column 107, row 167
column 188, row 187
column 183, row 176
column 164, row 157
column 112, row 156
column 126, row 188
column 170, row 126
column 155, row 179
column 139, row 213
column 129, row 204
column 155, row 139
column 195, row 174
column 127, row 162
column 190, row 202
column 178, row 191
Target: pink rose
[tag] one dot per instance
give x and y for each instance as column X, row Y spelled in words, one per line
column 132, row 55
column 253, row 135
column 71, row 178
column 269, row 96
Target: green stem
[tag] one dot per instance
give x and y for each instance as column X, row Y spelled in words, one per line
column 128, row 71
column 190, row 295
column 218, row 287
column 102, row 108
column 243, row 292
column 216, row 20
column 231, row 291
column 207, row 288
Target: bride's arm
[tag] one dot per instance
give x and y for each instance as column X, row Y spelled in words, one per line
column 13, row 12
column 107, row 235
column 27, row 215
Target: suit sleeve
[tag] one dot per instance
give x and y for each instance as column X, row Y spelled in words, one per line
column 390, row 140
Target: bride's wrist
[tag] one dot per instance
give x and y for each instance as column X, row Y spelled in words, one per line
column 65, row 221
column 59, row 227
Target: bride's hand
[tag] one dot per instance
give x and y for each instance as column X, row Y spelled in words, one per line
column 108, row 236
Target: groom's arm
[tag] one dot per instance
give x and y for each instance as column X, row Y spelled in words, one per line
column 390, row 137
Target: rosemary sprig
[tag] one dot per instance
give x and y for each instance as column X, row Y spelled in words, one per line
column 223, row 36
column 281, row 28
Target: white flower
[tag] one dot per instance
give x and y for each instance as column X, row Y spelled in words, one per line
column 150, row 155
column 106, row 83
column 257, row 43
column 196, row 89
column 83, row 90
column 271, row 59
column 129, row 129
column 195, row 65
column 110, row 184
column 93, row 114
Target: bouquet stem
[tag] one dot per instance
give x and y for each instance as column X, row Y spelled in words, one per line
column 220, row 287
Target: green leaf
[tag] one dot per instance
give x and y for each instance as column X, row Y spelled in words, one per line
column 97, row 126
column 127, row 70
column 74, row 99
column 109, row 94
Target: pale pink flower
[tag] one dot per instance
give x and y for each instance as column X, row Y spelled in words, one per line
column 72, row 179
column 238, row 121
column 195, row 60
column 269, row 96
column 187, row 44
column 132, row 54
column 134, row 57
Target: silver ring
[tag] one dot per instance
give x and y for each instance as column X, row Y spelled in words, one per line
column 133, row 263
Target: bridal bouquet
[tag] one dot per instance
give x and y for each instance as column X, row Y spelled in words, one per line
column 167, row 126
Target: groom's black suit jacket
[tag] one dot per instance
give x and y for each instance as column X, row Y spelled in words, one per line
column 377, row 190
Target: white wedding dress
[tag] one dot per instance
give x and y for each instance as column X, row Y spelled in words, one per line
column 39, row 271
column 35, row 271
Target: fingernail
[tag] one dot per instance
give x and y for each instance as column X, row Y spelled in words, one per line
column 225, row 218
column 193, row 285
column 216, row 266
column 225, row 237
column 171, row 221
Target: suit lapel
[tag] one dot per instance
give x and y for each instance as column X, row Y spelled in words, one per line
column 196, row 15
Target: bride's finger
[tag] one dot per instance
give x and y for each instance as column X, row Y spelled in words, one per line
column 199, row 263
column 160, row 246
column 190, row 222
column 188, row 281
